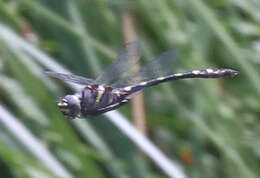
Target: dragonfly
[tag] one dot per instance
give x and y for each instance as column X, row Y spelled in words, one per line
column 108, row 91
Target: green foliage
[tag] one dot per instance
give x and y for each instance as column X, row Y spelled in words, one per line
column 210, row 127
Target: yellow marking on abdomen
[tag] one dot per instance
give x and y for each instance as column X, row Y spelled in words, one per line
column 143, row 83
column 196, row 72
column 178, row 74
column 160, row 78
column 209, row 70
column 128, row 88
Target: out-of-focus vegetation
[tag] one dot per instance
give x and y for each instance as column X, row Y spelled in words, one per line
column 210, row 127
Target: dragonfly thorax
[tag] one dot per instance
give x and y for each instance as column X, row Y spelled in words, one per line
column 97, row 99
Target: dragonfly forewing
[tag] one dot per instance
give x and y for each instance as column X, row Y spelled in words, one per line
column 70, row 78
column 163, row 65
column 125, row 60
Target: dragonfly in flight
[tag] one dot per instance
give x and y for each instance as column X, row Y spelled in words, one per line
column 108, row 92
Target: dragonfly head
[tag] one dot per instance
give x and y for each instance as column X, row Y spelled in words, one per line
column 70, row 106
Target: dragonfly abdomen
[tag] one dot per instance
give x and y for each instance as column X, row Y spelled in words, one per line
column 206, row 73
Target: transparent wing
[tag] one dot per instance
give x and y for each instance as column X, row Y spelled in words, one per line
column 161, row 66
column 70, row 78
column 126, row 59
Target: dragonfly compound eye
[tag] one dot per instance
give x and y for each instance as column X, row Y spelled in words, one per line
column 70, row 106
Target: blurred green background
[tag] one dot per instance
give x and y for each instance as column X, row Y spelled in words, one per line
column 210, row 127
